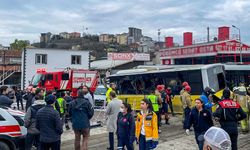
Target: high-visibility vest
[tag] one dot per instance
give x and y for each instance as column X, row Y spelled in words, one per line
column 61, row 104
column 154, row 102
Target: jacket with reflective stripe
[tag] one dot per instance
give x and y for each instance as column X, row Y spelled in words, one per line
column 150, row 126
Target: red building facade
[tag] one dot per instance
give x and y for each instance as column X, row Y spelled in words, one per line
column 221, row 51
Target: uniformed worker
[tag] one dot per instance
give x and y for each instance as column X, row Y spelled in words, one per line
column 155, row 103
column 242, row 98
column 186, row 105
column 112, row 87
column 228, row 114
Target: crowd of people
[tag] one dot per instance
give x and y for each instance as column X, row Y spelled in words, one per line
column 48, row 111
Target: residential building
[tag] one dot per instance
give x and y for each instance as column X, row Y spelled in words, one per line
column 45, row 37
column 135, row 35
column 146, row 45
column 51, row 60
column 104, row 38
column 75, row 35
column 122, row 39
column 65, row 35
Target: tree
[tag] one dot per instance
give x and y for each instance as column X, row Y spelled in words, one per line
column 19, row 44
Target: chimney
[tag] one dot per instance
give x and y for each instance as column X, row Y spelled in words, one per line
column 169, row 42
column 223, row 33
column 187, row 38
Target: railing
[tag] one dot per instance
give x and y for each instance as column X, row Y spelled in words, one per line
column 8, row 73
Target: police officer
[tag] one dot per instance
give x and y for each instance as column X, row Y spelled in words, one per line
column 228, row 114
column 186, row 104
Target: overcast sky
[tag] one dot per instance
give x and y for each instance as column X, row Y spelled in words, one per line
column 26, row 19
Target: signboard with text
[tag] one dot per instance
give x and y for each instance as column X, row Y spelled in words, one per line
column 129, row 56
column 213, row 48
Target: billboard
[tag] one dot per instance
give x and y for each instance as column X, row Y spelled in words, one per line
column 129, row 56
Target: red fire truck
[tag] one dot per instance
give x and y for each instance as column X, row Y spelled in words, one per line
column 66, row 80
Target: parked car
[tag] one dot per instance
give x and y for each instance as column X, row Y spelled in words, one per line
column 12, row 130
column 100, row 96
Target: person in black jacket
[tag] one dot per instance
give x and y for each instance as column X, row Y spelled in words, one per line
column 49, row 124
column 201, row 119
column 228, row 114
column 4, row 100
column 30, row 94
column 81, row 111
column 19, row 98
column 125, row 127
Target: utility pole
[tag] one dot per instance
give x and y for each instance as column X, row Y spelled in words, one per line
column 240, row 42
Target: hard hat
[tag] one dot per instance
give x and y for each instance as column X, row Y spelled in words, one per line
column 185, row 84
column 235, row 89
column 188, row 88
column 217, row 138
column 160, row 87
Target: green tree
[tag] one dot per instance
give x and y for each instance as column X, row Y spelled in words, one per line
column 18, row 44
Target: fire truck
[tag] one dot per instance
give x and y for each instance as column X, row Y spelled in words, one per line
column 66, row 80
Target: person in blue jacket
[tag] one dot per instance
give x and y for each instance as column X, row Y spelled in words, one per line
column 208, row 104
column 125, row 127
column 201, row 119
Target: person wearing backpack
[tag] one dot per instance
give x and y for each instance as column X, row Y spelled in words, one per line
column 81, row 111
column 30, row 123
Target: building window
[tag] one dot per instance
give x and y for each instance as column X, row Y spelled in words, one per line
column 76, row 60
column 15, row 60
column 41, row 58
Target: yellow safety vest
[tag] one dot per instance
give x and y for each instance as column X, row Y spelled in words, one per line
column 154, row 102
column 61, row 104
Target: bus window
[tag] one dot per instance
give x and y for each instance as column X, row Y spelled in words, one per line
column 195, row 82
column 221, row 80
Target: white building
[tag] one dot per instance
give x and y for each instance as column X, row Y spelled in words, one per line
column 51, row 60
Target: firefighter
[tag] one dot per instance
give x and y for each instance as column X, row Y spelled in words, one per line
column 158, row 94
column 184, row 84
column 155, row 103
column 161, row 89
column 169, row 99
column 242, row 98
column 146, row 131
column 228, row 114
column 112, row 87
column 186, row 105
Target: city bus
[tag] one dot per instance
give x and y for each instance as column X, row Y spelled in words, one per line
column 135, row 84
column 237, row 73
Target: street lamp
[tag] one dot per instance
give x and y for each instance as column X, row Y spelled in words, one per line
column 240, row 42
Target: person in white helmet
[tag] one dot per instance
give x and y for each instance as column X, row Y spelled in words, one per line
column 216, row 139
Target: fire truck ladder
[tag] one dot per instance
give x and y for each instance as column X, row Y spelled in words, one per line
column 9, row 73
